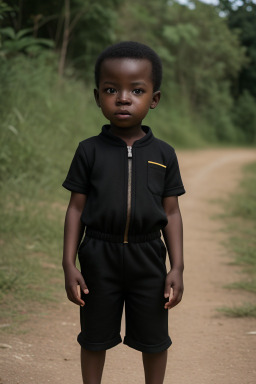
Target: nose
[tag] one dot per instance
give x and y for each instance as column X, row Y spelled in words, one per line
column 123, row 97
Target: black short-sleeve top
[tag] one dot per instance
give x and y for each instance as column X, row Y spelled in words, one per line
column 99, row 169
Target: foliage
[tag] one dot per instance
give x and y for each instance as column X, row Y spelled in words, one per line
column 142, row 21
column 38, row 133
column 92, row 35
column 35, row 110
column 240, row 219
column 201, row 57
column 244, row 115
column 90, row 26
column 245, row 310
column 208, row 51
column 198, row 36
column 4, row 9
column 12, row 42
column 241, row 17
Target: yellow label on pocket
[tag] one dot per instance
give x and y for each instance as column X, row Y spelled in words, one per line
column 161, row 165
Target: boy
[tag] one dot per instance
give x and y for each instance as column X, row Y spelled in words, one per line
column 124, row 185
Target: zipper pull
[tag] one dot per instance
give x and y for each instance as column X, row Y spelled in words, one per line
column 129, row 149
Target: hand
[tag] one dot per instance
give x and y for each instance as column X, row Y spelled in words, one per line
column 74, row 284
column 173, row 288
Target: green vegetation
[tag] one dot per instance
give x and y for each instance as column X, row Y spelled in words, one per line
column 47, row 52
column 208, row 54
column 246, row 310
column 241, row 222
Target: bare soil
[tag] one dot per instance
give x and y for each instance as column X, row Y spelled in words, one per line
column 207, row 346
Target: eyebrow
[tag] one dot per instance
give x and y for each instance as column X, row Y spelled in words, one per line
column 134, row 83
column 109, row 82
column 139, row 83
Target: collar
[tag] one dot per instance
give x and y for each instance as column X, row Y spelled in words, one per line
column 106, row 135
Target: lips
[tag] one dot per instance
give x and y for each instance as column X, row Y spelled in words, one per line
column 122, row 113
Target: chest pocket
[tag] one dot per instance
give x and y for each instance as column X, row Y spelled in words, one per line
column 156, row 177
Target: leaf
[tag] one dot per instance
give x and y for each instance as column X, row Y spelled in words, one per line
column 47, row 42
column 23, row 32
column 12, row 129
column 9, row 32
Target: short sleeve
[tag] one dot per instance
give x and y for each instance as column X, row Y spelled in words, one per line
column 77, row 179
column 173, row 181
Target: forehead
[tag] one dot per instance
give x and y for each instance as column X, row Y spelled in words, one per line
column 126, row 69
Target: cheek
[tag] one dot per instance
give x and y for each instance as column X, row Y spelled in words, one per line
column 108, row 102
column 106, row 109
column 144, row 106
column 105, row 105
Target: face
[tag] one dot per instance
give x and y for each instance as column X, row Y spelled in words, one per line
column 125, row 91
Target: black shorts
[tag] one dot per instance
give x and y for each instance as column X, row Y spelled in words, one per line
column 118, row 273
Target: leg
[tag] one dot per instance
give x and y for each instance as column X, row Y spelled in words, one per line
column 92, row 363
column 154, row 367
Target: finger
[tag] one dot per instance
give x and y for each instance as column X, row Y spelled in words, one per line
column 169, row 296
column 78, row 296
column 83, row 286
column 174, row 299
column 167, row 290
column 75, row 296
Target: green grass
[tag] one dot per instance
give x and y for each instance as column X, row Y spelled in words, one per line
column 31, row 241
column 240, row 219
column 43, row 121
column 245, row 310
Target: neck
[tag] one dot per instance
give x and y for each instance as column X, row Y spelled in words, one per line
column 129, row 135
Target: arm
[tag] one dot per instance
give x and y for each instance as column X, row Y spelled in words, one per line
column 73, row 232
column 173, row 237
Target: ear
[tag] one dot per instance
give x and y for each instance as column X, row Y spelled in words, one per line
column 155, row 99
column 96, row 96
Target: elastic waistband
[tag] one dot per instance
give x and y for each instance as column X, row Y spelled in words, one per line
column 120, row 238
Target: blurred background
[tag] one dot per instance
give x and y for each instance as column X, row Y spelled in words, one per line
column 47, row 55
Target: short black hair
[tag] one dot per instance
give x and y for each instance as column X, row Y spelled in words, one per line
column 131, row 50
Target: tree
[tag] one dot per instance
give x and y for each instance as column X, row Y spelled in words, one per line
column 94, row 32
column 241, row 17
column 205, row 50
column 245, row 117
column 80, row 29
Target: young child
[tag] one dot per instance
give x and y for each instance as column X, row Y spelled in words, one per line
column 124, row 185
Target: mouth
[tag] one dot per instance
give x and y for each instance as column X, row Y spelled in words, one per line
column 122, row 115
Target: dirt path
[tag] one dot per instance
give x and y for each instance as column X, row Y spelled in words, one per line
column 207, row 347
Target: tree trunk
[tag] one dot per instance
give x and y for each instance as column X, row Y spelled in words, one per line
column 65, row 41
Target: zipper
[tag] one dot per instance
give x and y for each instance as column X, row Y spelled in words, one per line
column 129, row 194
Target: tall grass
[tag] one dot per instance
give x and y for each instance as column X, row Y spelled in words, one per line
column 42, row 120
column 241, row 226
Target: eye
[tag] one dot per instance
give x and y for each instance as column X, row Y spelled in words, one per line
column 138, row 91
column 110, row 90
